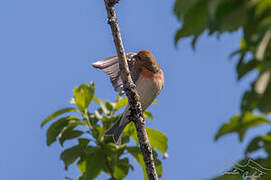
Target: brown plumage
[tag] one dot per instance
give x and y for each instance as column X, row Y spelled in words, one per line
column 146, row 74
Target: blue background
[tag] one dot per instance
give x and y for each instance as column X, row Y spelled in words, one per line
column 47, row 47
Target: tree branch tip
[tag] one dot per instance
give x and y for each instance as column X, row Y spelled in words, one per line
column 112, row 3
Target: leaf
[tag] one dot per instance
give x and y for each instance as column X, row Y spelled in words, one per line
column 194, row 22
column 68, row 134
column 83, row 142
column 267, row 143
column 148, row 115
column 94, row 163
column 157, row 140
column 121, row 169
column 254, row 145
column 136, row 153
column 130, row 130
column 70, row 155
column 159, row 167
column 243, row 68
column 98, row 133
column 106, row 106
column 229, row 16
column 249, row 101
column 262, row 6
column 182, row 6
column 264, row 100
column 57, row 113
column 81, row 164
column 240, row 124
column 121, row 102
column 83, row 95
column 56, row 128
column 158, row 164
column 264, row 103
column 236, row 52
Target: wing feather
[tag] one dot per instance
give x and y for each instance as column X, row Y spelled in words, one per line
column 110, row 66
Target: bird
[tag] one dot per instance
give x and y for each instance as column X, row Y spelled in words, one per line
column 146, row 75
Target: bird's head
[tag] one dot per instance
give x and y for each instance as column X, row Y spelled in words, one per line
column 146, row 59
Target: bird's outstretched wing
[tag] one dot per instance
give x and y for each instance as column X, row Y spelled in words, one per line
column 110, row 66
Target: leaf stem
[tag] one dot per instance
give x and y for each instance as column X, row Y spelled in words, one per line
column 85, row 114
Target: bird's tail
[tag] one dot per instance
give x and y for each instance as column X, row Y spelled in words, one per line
column 116, row 130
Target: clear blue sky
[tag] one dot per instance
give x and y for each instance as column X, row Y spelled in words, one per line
column 47, row 47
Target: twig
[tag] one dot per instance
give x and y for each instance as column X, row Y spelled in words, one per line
column 131, row 92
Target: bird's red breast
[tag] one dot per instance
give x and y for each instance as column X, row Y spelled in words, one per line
column 146, row 73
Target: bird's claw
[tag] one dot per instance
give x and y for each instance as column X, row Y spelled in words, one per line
column 128, row 85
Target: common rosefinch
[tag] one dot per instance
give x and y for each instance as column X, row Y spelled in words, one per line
column 147, row 76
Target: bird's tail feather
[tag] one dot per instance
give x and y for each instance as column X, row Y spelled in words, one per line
column 116, row 130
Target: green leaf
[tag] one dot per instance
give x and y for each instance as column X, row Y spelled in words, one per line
column 94, row 163
column 110, row 149
column 229, row 15
column 121, row 102
column 83, row 142
column 240, row 124
column 130, row 130
column 157, row 140
column 194, row 22
column 159, row 167
column 244, row 68
column 121, row 169
column 264, row 100
column 158, row 164
column 70, row 155
column 57, row 113
column 136, row 153
column 249, row 101
column 148, row 115
column 267, row 143
column 98, row 133
column 182, row 6
column 69, row 134
column 262, row 6
column 106, row 106
column 82, row 164
column 83, row 95
column 56, row 128
column 254, row 145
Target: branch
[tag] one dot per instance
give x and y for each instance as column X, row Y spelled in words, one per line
column 131, row 92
